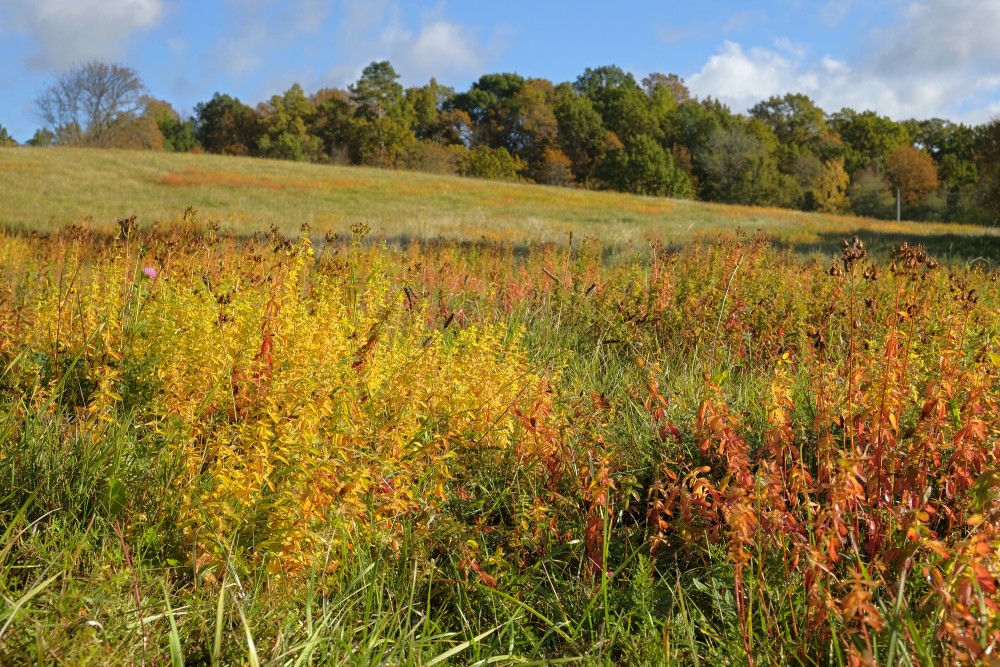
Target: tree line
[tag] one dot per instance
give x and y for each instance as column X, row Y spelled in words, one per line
column 605, row 130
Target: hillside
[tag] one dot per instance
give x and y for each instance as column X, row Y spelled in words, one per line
column 44, row 189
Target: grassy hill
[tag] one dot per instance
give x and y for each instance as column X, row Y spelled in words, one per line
column 45, row 189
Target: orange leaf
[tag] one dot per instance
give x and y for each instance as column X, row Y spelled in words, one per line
column 487, row 579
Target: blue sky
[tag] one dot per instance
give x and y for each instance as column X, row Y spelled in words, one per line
column 899, row 57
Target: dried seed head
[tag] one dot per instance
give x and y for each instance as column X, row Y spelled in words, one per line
column 360, row 230
column 907, row 260
column 852, row 252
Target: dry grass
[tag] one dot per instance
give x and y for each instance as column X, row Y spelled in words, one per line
column 45, row 189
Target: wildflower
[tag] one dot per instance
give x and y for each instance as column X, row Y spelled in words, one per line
column 150, row 272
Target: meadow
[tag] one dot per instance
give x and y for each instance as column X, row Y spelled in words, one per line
column 44, row 190
column 393, row 441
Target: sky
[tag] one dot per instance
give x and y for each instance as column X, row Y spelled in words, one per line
column 901, row 58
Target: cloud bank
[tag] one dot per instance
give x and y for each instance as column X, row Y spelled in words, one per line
column 67, row 32
column 437, row 46
column 940, row 58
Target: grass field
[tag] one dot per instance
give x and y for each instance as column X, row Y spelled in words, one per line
column 47, row 189
column 252, row 448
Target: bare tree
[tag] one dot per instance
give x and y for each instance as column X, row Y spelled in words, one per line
column 91, row 102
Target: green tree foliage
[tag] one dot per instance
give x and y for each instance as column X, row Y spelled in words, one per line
column 988, row 163
column 381, row 142
column 285, row 123
column 795, row 120
column 178, row 135
column 382, row 131
column 582, row 135
column 492, row 163
column 430, row 121
column 740, row 169
column 5, row 138
column 663, row 95
column 333, row 123
column 378, row 93
column 619, row 100
column 803, row 145
column 491, row 107
column 669, row 83
column 688, row 129
column 42, row 137
column 535, row 131
column 643, row 167
column 226, row 125
column 871, row 194
column 829, row 192
column 868, row 138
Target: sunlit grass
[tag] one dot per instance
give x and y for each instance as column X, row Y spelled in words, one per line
column 46, row 189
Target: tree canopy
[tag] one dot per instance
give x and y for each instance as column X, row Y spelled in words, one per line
column 602, row 130
column 5, row 138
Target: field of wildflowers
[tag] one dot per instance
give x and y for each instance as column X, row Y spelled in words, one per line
column 219, row 450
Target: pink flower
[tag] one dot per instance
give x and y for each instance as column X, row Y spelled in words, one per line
column 150, row 272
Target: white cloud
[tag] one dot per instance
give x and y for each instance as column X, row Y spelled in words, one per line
column 742, row 78
column 440, row 48
column 72, row 31
column 790, row 48
column 377, row 30
column 940, row 35
column 940, row 59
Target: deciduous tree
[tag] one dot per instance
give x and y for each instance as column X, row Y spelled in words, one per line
column 582, row 135
column 619, row 100
column 870, row 194
column 794, row 119
column 226, row 125
column 333, row 123
column 671, row 83
column 830, row 190
column 913, row 172
column 92, row 104
column 427, row 103
column 643, row 167
column 739, row 169
column 492, row 163
column 490, row 105
column 178, row 134
column 42, row 137
column 868, row 137
column 285, row 121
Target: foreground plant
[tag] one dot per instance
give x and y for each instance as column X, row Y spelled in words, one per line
column 277, row 451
